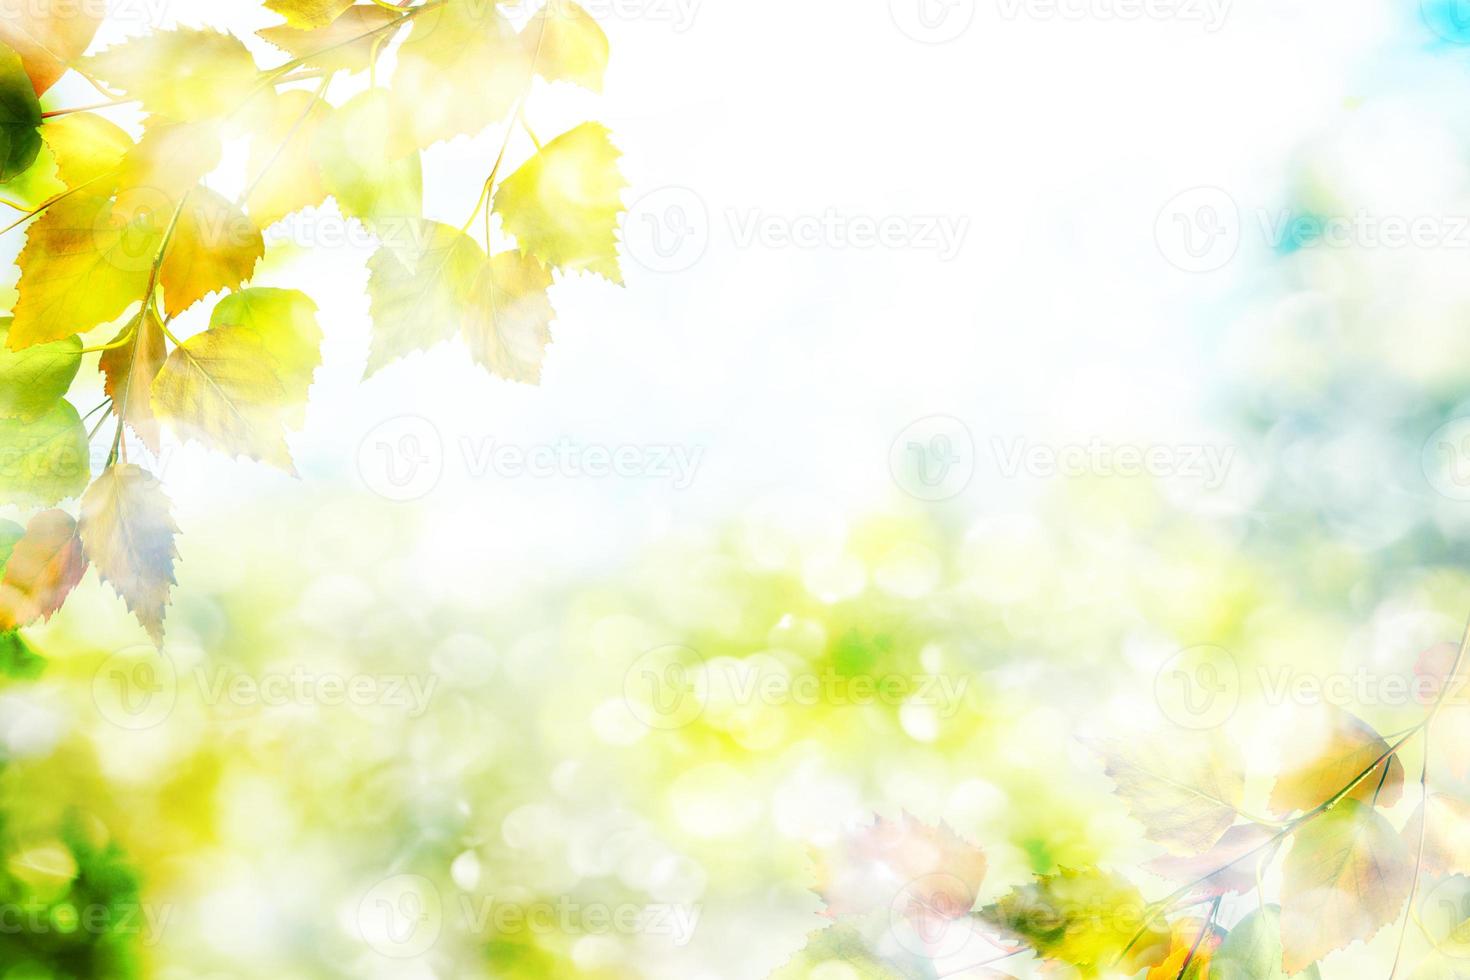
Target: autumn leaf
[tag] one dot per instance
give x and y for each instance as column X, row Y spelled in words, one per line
column 1347, row 876
column 34, row 379
column 214, row 247
column 416, row 309
column 568, row 44
column 162, row 167
column 1253, row 951
column 841, row 951
column 43, row 568
column 128, row 372
column 352, row 150
column 283, row 175
column 1446, row 834
column 44, row 460
column 10, row 535
column 1453, row 722
column 1328, row 751
column 906, row 860
column 86, row 146
column 79, row 268
column 285, row 322
column 1083, row 918
column 128, row 535
column 345, row 44
column 48, row 35
column 453, row 50
column 220, row 388
column 1227, row 867
column 208, row 73
column 1184, row 790
column 508, row 317
column 562, row 205
column 309, row 13
column 1192, row 945
column 20, row 117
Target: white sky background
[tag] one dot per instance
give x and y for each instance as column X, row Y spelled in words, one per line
column 1057, row 139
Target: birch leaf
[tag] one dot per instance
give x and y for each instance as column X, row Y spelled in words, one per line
column 1253, row 951
column 45, row 460
column 207, row 73
column 43, row 568
column 357, row 169
column 164, row 165
column 873, row 866
column 1225, row 868
column 32, row 380
column 1346, row 877
column 214, row 246
column 220, row 388
column 507, row 322
column 562, row 205
column 414, row 310
column 48, row 35
column 20, row 117
column 1326, row 753
column 345, row 44
column 568, row 44
column 128, row 372
column 309, row 13
column 285, row 322
column 1446, row 835
column 128, row 535
column 86, row 146
column 283, row 175
column 1185, row 791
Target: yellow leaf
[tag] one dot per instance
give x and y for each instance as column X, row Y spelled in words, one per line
column 156, row 173
column 462, row 68
column 285, row 322
column 45, row 565
column 44, row 460
column 414, row 310
column 48, row 35
column 508, row 317
column 1346, row 877
column 1328, row 751
column 282, row 174
column 128, row 535
column 128, row 372
column 214, row 247
column 80, row 267
column 182, row 74
column 346, row 44
column 32, row 380
column 86, row 146
column 1446, row 835
column 1184, row 790
column 357, row 169
column 1192, row 942
column 309, row 13
column 220, row 388
column 568, row 44
column 562, row 205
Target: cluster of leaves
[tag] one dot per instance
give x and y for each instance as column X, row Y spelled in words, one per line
column 127, row 235
column 1345, row 871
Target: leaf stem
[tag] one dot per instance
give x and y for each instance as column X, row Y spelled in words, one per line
column 50, row 201
column 53, row 113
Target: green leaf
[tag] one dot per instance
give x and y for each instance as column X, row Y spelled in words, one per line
column 358, row 169
column 285, row 322
column 1253, row 951
column 414, row 310
column 17, row 660
column 562, row 205
column 20, row 117
column 1346, row 877
column 45, row 460
column 32, row 380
